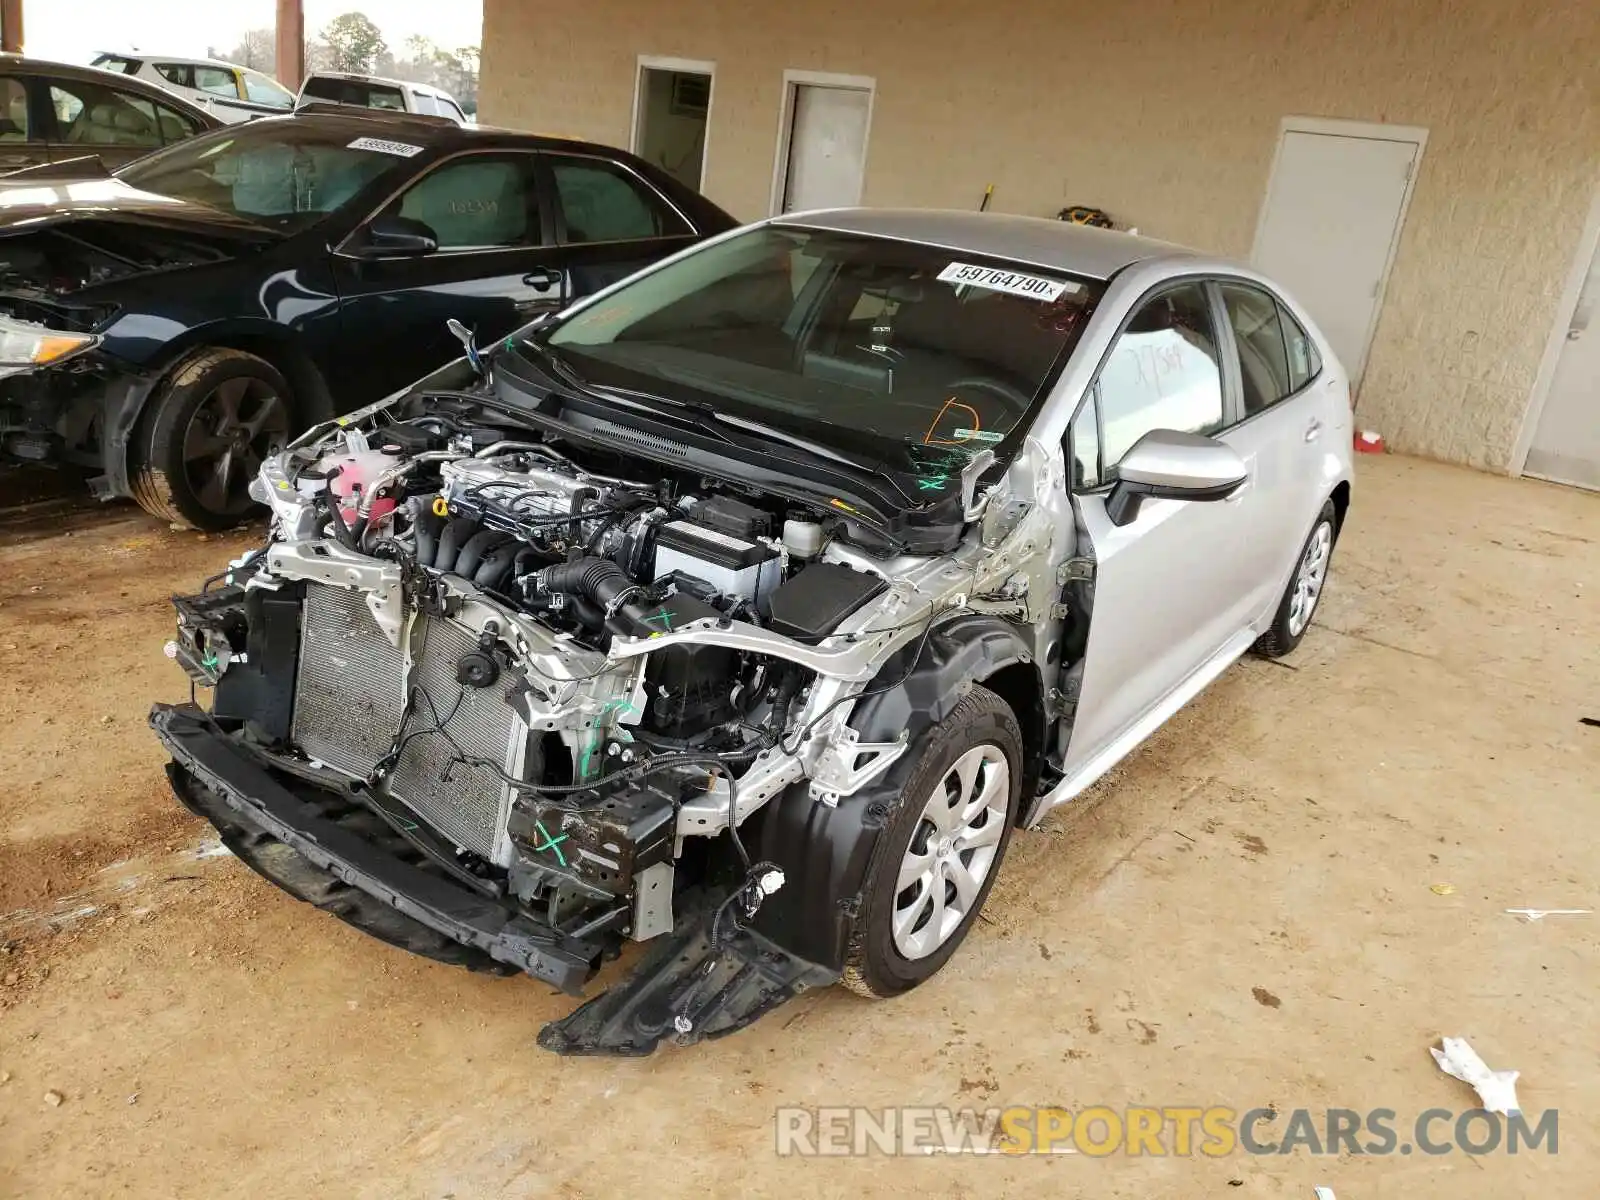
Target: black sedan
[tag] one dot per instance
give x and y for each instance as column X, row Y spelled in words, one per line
column 172, row 324
column 50, row 112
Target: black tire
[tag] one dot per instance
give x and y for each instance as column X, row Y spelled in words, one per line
column 875, row 966
column 204, row 432
column 1282, row 636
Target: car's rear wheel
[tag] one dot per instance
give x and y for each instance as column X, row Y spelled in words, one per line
column 941, row 850
column 1300, row 599
column 207, row 428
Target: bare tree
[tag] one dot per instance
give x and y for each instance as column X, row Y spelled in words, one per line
column 257, row 49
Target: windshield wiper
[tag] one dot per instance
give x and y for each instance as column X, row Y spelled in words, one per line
column 707, row 418
column 559, row 366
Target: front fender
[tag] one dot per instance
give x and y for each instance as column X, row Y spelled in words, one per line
column 824, row 851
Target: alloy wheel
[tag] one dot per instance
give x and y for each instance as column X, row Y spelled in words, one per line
column 231, row 431
column 1309, row 578
column 952, row 851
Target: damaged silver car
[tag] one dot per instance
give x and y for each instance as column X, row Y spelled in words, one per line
column 747, row 608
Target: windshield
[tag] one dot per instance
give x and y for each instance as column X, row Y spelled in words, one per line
column 278, row 173
column 920, row 354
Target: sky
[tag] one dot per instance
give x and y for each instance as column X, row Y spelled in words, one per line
column 76, row 30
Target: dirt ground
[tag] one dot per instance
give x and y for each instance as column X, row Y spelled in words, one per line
column 1283, row 899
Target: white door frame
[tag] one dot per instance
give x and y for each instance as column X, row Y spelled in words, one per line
column 1588, row 247
column 655, row 62
column 1415, row 134
column 794, row 79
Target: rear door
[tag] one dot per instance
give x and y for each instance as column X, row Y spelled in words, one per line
column 1279, row 433
column 495, row 269
column 1169, row 594
column 610, row 221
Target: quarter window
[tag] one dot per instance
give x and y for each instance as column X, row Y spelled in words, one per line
column 1162, row 373
column 1258, row 338
column 477, row 202
column 1305, row 364
column 603, row 203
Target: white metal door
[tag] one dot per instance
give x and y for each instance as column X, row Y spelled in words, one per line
column 1566, row 444
column 827, row 147
column 1329, row 227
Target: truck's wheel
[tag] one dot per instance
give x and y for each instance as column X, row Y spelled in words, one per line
column 941, row 850
column 204, row 433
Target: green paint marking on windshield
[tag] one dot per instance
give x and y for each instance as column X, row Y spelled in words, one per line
column 933, row 483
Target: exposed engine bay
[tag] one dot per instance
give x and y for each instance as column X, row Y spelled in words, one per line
column 568, row 679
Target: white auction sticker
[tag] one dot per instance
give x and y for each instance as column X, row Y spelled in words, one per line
column 1034, row 287
column 384, row 146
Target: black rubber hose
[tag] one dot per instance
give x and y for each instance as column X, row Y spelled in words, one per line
column 477, row 547
column 495, row 569
column 456, row 534
column 604, row 584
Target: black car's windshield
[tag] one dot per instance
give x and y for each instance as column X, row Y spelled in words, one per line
column 286, row 174
column 920, row 354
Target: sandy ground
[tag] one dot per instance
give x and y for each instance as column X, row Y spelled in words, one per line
column 1248, row 913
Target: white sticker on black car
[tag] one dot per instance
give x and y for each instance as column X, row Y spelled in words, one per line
column 1016, row 283
column 385, row 146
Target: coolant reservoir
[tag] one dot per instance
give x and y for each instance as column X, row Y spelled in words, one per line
column 357, row 470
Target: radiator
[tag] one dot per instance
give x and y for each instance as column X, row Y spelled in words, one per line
column 350, row 698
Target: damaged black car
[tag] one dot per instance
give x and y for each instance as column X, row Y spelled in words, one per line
column 170, row 326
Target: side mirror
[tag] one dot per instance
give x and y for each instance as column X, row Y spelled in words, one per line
column 1173, row 466
column 398, row 237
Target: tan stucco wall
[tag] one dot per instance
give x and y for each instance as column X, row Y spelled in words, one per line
column 1165, row 113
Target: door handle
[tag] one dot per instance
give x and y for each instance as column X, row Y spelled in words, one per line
column 543, row 278
column 1313, row 430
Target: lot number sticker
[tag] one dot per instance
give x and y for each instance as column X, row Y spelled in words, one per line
column 384, row 146
column 1034, row 287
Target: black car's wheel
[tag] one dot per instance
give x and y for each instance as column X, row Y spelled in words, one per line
column 1293, row 618
column 205, row 431
column 941, row 850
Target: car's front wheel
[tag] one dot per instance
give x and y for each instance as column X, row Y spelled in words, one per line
column 941, row 850
column 1300, row 600
column 203, row 436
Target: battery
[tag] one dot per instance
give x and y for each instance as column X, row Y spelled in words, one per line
column 735, row 566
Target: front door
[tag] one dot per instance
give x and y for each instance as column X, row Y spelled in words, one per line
column 495, row 269
column 1566, row 442
column 1168, row 591
column 113, row 125
column 21, row 139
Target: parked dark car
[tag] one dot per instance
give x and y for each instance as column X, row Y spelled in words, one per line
column 171, row 325
column 51, row 112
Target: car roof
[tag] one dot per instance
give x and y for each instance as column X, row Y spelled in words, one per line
column 437, row 131
column 1060, row 245
column 128, row 83
column 186, row 60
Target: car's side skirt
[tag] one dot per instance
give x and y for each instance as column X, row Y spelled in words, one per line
column 1153, row 719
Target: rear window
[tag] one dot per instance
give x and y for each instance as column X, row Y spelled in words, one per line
column 353, row 91
column 117, row 62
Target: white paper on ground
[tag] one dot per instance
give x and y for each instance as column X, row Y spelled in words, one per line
column 1539, row 914
column 1497, row 1089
